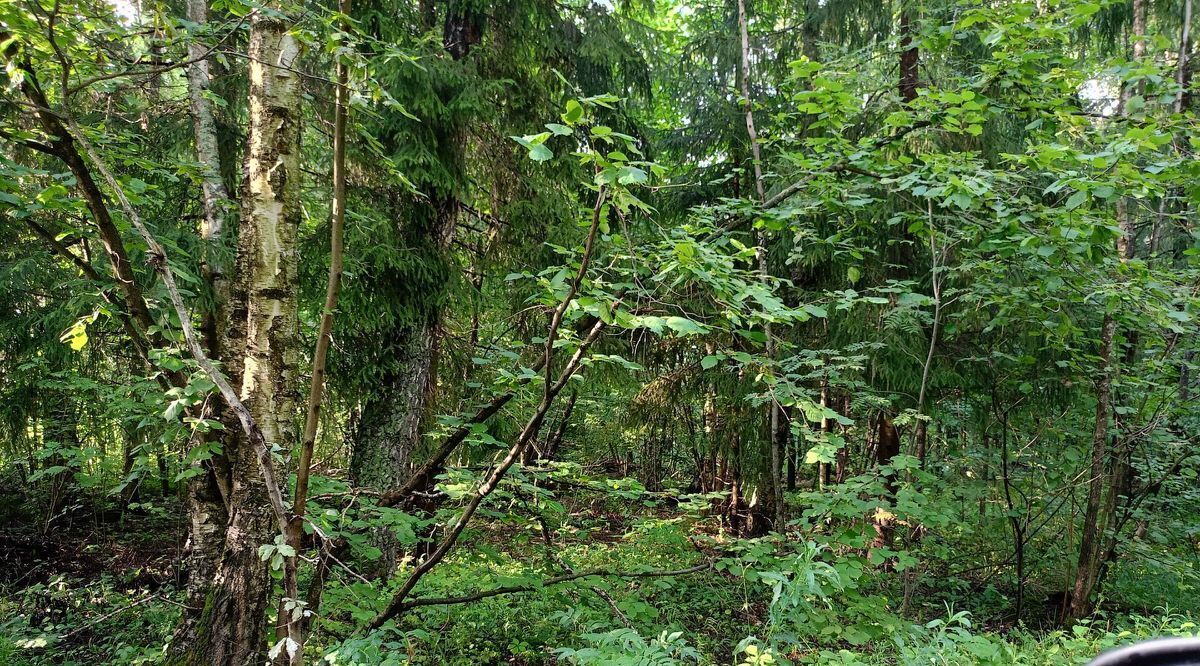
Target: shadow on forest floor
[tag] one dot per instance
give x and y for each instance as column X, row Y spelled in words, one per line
column 140, row 548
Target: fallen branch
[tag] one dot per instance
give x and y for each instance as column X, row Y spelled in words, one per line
column 106, row 616
column 420, row 478
column 557, row 580
column 396, row 606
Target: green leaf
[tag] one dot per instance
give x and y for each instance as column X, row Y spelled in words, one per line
column 573, row 113
column 76, row 336
column 628, row 175
column 534, row 144
column 684, row 326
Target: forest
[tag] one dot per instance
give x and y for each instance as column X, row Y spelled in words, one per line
column 597, row 332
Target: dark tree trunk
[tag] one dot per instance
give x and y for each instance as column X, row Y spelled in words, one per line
column 1087, row 568
column 1097, row 513
column 909, row 59
column 887, row 448
column 389, row 430
column 60, row 429
column 132, row 491
column 390, row 423
column 555, row 439
column 843, row 453
column 793, row 453
column 651, row 471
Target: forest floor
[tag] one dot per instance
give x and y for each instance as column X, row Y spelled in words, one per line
column 104, row 588
column 144, row 547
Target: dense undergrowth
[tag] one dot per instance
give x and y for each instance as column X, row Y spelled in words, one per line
column 803, row 598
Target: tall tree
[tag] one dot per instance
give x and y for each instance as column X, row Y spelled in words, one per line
column 261, row 345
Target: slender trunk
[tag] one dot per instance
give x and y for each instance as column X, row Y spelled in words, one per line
column 555, row 440
column 843, row 453
column 214, row 196
column 206, row 504
column 1182, row 70
column 1177, row 141
column 129, row 449
column 735, row 513
column 164, row 472
column 922, row 428
column 888, row 447
column 909, row 59
column 1185, row 376
column 826, row 426
column 793, row 454
column 777, row 431
column 1127, row 237
column 60, row 432
column 1092, row 531
column 1096, row 512
column 293, row 621
column 1016, row 522
column 713, row 478
column 652, row 455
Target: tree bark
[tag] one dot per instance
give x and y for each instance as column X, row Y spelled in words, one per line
column 214, row 196
column 555, row 440
column 60, row 428
column 887, row 448
column 1092, row 530
column 233, row 626
column 552, row 387
column 389, row 427
column 206, row 504
column 909, row 59
column 389, row 430
column 922, row 428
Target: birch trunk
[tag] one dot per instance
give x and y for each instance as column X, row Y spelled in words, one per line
column 206, row 503
column 233, row 627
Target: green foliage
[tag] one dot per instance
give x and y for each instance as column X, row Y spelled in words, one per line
column 946, row 267
column 68, row 622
